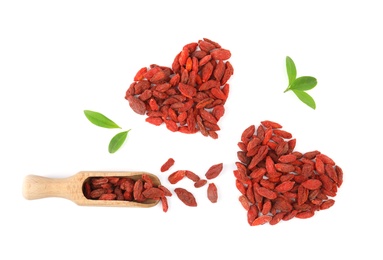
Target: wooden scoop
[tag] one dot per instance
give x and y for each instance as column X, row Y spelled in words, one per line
column 71, row 188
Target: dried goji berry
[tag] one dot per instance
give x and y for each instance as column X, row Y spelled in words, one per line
column 285, row 183
column 244, row 202
column 137, row 105
column 212, row 192
column 176, row 176
column 186, row 197
column 153, row 193
column 165, row 190
column 97, row 193
column 261, row 220
column 166, row 166
column 199, row 73
column 284, row 186
column 200, row 183
column 305, row 214
column 252, row 213
column 312, row 184
column 220, row 54
column 164, row 202
column 214, row 171
column 107, row 196
column 125, row 188
column 192, row 176
column 269, row 194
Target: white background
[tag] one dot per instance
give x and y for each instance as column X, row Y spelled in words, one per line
column 58, row 58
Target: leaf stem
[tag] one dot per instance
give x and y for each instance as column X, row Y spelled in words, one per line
column 287, row 89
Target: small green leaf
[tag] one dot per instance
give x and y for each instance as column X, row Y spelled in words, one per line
column 305, row 98
column 291, row 70
column 99, row 119
column 117, row 141
column 304, row 83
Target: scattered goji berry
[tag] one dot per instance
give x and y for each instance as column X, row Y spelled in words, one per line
column 214, row 171
column 186, row 197
column 166, row 166
column 212, row 192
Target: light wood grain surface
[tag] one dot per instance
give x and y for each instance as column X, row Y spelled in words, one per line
column 38, row 187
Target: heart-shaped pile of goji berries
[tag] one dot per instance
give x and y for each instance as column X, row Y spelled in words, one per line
column 188, row 97
column 278, row 183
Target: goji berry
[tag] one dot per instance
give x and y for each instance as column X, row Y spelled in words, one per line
column 285, row 184
column 186, row 197
column 200, row 69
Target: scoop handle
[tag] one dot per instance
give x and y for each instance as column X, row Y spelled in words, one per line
column 38, row 187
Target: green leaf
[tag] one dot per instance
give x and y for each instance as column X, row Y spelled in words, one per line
column 117, row 141
column 305, row 98
column 291, row 70
column 99, row 119
column 304, row 83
